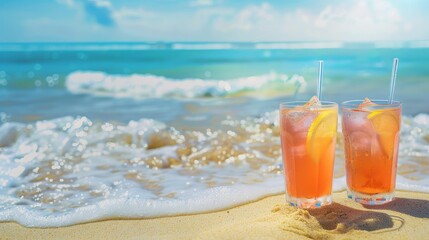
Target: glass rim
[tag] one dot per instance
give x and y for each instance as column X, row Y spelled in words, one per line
column 324, row 104
column 381, row 103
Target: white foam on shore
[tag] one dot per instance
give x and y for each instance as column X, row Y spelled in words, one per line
column 134, row 207
column 152, row 86
column 71, row 170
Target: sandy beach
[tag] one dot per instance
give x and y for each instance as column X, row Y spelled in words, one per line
column 270, row 218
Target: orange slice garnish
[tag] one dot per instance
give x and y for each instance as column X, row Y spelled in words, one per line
column 321, row 133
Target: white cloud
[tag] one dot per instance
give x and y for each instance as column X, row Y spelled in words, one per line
column 246, row 19
column 70, row 3
column 142, row 24
column 201, row 3
column 101, row 3
column 364, row 20
column 361, row 20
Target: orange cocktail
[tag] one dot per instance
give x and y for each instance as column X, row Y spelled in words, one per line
column 308, row 134
column 371, row 136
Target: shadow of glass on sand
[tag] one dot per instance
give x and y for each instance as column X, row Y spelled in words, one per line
column 414, row 207
column 342, row 219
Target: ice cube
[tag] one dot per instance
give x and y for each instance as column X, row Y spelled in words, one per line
column 314, row 101
column 366, row 104
column 300, row 118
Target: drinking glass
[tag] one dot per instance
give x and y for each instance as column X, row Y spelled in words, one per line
column 371, row 137
column 308, row 136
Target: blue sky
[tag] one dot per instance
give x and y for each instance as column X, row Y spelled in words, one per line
column 212, row 20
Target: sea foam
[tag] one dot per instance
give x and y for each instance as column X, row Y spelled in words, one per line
column 152, row 86
column 71, row 170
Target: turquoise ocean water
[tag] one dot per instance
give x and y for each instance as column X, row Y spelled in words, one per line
column 33, row 78
column 128, row 130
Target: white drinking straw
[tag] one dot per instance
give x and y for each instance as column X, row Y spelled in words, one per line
column 320, row 81
column 393, row 79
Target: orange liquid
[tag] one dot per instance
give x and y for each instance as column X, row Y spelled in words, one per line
column 371, row 151
column 308, row 169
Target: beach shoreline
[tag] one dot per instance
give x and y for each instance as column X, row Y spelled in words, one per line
column 267, row 218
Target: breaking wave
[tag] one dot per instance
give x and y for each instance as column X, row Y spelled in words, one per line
column 152, row 86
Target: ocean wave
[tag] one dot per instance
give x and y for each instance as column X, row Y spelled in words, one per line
column 71, row 170
column 152, row 86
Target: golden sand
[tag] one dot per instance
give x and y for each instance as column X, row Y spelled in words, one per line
column 270, row 218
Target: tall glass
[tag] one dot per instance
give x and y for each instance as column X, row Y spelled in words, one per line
column 371, row 137
column 308, row 135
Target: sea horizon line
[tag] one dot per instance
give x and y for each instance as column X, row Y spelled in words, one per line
column 196, row 45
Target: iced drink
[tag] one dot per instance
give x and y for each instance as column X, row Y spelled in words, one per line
column 308, row 134
column 371, row 136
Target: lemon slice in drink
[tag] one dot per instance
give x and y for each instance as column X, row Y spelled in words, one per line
column 386, row 124
column 321, row 134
